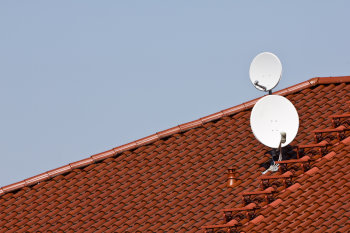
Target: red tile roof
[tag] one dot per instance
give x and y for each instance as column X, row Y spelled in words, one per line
column 317, row 202
column 175, row 180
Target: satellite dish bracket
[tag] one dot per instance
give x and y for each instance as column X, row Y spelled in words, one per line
column 274, row 167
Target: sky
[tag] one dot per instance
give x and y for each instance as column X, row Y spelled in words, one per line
column 81, row 77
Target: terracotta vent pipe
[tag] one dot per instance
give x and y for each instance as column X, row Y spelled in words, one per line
column 232, row 181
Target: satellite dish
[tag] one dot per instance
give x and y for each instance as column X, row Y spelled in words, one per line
column 265, row 71
column 274, row 116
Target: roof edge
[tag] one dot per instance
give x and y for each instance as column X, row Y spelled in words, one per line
column 165, row 133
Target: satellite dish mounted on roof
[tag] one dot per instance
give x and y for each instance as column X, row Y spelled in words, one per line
column 274, row 119
column 272, row 116
column 265, row 71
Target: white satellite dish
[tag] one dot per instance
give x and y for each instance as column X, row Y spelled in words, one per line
column 273, row 116
column 265, row 71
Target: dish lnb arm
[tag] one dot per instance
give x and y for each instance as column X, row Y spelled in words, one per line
column 256, row 83
column 283, row 140
column 283, row 137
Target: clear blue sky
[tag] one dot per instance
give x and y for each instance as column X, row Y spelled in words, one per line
column 81, row 77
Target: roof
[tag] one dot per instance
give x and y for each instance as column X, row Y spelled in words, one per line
column 317, row 202
column 175, row 180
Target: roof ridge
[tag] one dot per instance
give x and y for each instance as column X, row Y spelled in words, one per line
column 165, row 133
